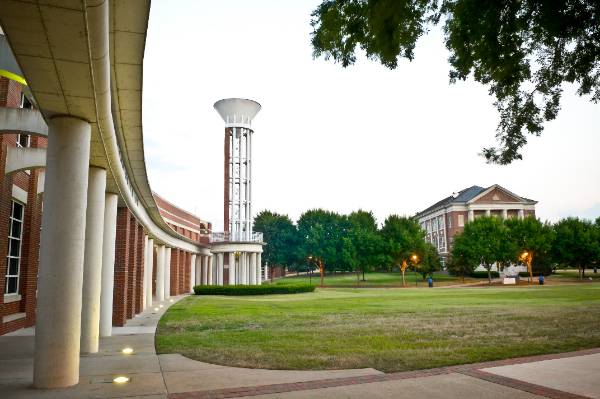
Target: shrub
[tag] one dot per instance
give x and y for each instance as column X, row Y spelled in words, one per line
column 252, row 289
column 484, row 274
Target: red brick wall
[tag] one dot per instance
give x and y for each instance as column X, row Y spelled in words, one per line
column 132, row 268
column 174, row 284
column 10, row 96
column 455, row 229
column 182, row 221
column 121, row 276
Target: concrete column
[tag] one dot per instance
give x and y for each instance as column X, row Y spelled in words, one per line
column 108, row 263
column 205, row 270
column 220, row 269
column 504, row 214
column 58, row 319
column 488, row 212
column 210, row 271
column 521, row 214
column 252, row 268
column 145, row 275
column 161, row 254
column 167, row 273
column 244, row 268
column 259, row 268
column 267, row 271
column 92, row 263
column 231, row 268
column 198, row 267
column 192, row 272
column 149, row 259
column 471, row 216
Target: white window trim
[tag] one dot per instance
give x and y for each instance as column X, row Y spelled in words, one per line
column 8, row 298
column 20, row 240
column 19, row 194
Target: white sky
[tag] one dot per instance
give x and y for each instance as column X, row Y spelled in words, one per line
column 341, row 139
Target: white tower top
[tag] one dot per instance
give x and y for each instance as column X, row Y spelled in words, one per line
column 237, row 112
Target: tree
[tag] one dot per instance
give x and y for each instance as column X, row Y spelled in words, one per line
column 404, row 238
column 576, row 243
column 281, row 237
column 534, row 238
column 430, row 262
column 458, row 264
column 524, row 50
column 366, row 241
column 321, row 233
column 482, row 242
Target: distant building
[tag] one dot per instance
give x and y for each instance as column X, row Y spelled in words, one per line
column 444, row 219
column 183, row 222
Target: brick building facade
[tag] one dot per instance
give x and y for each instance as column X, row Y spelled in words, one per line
column 21, row 203
column 444, row 219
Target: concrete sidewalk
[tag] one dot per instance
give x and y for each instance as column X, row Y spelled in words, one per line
column 573, row 375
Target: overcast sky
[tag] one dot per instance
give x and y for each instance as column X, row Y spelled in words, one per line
column 341, row 139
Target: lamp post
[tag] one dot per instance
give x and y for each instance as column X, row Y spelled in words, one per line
column 527, row 258
column 415, row 260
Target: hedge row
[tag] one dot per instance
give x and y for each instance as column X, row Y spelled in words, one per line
column 252, row 289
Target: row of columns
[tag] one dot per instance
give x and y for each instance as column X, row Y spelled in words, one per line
column 77, row 258
column 488, row 212
column 243, row 268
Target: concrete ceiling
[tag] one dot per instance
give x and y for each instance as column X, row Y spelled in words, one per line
column 50, row 41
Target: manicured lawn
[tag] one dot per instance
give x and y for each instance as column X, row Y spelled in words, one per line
column 393, row 279
column 388, row 329
column 573, row 275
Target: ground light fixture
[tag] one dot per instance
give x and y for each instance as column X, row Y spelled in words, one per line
column 156, row 309
column 121, row 379
column 127, row 351
column 160, row 306
column 170, row 300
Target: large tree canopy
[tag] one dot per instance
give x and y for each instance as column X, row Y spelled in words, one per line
column 523, row 49
column 281, row 237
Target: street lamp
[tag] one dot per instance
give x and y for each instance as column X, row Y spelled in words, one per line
column 527, row 258
column 310, row 258
column 415, row 260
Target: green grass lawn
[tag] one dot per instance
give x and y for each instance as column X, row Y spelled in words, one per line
column 573, row 275
column 388, row 329
column 393, row 279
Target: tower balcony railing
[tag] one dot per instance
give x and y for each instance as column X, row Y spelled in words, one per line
column 235, row 236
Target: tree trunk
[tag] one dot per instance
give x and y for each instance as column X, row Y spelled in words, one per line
column 363, row 272
column 403, row 281
column 489, row 269
column 322, row 271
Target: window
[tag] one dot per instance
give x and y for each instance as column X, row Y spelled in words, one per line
column 461, row 220
column 15, row 233
column 25, row 103
column 23, row 140
column 449, row 221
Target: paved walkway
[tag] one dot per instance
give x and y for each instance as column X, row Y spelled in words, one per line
column 568, row 375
